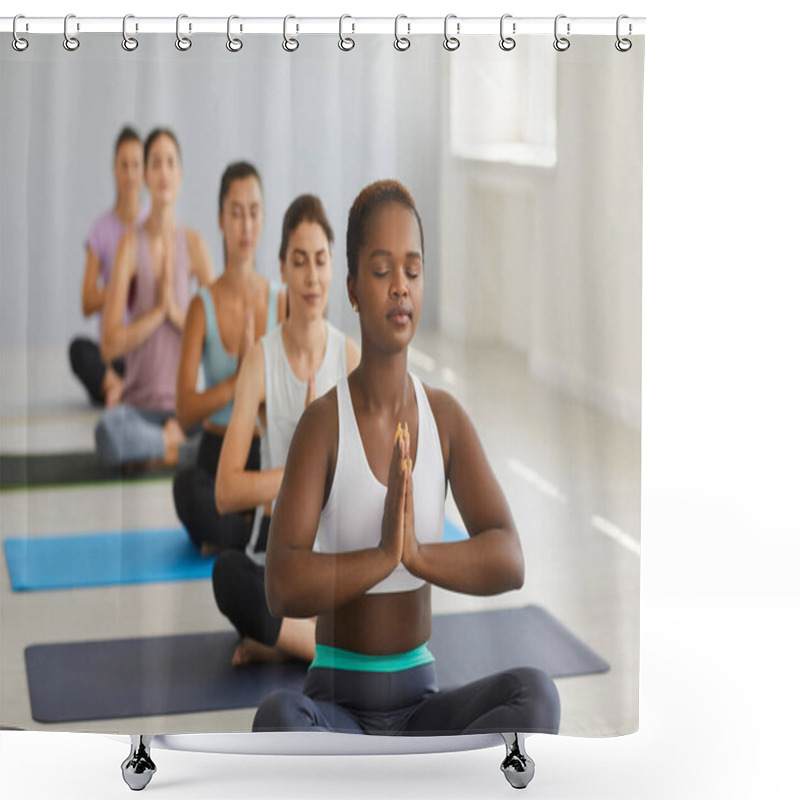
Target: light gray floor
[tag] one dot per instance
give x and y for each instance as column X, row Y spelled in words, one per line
column 571, row 475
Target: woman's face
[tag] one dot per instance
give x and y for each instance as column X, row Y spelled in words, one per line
column 389, row 287
column 163, row 171
column 242, row 218
column 129, row 168
column 307, row 270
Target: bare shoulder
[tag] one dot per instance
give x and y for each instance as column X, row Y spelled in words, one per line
column 352, row 354
column 316, row 438
column 196, row 313
column 321, row 416
column 193, row 238
column 447, row 411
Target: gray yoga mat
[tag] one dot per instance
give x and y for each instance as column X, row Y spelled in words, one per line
column 192, row 672
column 67, row 469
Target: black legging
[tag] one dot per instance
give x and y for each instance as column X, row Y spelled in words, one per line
column 239, row 591
column 193, row 493
column 407, row 702
column 88, row 366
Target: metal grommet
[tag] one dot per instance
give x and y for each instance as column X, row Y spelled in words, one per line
column 129, row 43
column 345, row 42
column 623, row 45
column 561, row 43
column 401, row 43
column 183, row 43
column 17, row 42
column 451, row 43
column 289, row 44
column 233, row 44
column 71, row 43
column 507, row 42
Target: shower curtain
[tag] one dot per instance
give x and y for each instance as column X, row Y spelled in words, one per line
column 525, row 168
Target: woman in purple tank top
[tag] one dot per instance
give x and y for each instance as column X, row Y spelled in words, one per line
column 154, row 265
column 102, row 381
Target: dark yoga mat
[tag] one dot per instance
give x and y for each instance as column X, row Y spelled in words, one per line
column 66, row 469
column 191, row 673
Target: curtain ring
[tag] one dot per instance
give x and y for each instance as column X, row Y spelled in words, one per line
column 623, row 45
column 507, row 42
column 183, row 43
column 401, row 42
column 289, row 44
column 129, row 43
column 17, row 42
column 451, row 43
column 561, row 43
column 346, row 43
column 233, row 44
column 71, row 43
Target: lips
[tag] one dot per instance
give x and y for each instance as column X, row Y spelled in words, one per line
column 400, row 315
column 310, row 298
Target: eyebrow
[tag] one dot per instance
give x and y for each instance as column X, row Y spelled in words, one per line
column 409, row 254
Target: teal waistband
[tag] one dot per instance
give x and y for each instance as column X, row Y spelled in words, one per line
column 335, row 658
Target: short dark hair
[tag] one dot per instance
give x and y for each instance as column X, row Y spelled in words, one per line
column 305, row 208
column 153, row 135
column 127, row 134
column 236, row 172
column 369, row 200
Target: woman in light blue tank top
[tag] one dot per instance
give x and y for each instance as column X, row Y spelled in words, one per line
column 223, row 321
column 279, row 378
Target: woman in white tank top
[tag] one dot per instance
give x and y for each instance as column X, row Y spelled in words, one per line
column 280, row 375
column 356, row 533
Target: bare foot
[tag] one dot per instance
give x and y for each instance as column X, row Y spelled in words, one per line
column 250, row 651
column 173, row 438
column 112, row 388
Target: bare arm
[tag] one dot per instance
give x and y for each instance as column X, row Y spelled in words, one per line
column 490, row 561
column 192, row 406
column 236, row 488
column 298, row 581
column 92, row 294
column 116, row 338
column 199, row 258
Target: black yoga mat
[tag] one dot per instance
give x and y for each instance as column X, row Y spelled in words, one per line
column 190, row 673
column 66, row 469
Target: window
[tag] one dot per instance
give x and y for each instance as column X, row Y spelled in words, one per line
column 503, row 108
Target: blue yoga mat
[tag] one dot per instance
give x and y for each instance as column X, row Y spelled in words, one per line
column 104, row 559
column 113, row 559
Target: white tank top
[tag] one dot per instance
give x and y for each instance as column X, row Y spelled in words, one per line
column 352, row 517
column 285, row 399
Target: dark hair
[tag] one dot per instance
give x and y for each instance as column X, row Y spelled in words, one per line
column 127, row 134
column 153, row 135
column 235, row 172
column 306, row 208
column 369, row 200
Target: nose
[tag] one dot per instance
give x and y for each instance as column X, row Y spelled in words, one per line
column 399, row 287
column 311, row 274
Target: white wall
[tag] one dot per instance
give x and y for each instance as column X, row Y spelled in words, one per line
column 317, row 120
column 552, row 255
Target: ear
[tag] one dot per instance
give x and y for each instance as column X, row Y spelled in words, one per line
column 351, row 290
